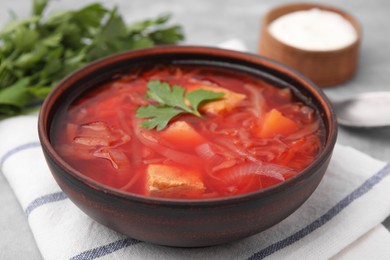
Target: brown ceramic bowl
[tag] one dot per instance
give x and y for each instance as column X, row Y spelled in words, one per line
column 185, row 223
column 325, row 68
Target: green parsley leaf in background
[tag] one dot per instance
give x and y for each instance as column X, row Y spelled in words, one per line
column 38, row 51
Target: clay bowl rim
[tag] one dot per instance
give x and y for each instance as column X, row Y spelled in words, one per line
column 74, row 175
column 300, row 6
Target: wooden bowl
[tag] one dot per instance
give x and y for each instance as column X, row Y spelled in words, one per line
column 325, row 68
column 184, row 223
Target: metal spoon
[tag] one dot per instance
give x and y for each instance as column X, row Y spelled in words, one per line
column 365, row 110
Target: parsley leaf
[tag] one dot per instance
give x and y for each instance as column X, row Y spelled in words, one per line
column 40, row 50
column 15, row 96
column 164, row 94
column 159, row 116
column 39, row 6
column 171, row 101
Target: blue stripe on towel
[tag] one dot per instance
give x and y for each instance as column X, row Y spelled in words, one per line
column 117, row 245
column 357, row 193
column 41, row 200
column 106, row 249
column 361, row 190
column 52, row 197
column 17, row 150
column 58, row 196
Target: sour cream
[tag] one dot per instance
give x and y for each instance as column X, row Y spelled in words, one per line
column 314, row 29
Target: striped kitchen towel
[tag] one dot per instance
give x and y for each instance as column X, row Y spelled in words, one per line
column 341, row 219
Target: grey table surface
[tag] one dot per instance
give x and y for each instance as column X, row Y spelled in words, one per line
column 209, row 23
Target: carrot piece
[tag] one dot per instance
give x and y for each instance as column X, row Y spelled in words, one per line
column 276, row 124
column 182, row 135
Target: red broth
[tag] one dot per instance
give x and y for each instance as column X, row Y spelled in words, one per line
column 255, row 136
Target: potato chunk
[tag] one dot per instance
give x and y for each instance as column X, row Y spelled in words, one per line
column 182, row 135
column 228, row 102
column 277, row 124
column 171, row 181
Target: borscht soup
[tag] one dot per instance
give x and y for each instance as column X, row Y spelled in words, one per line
column 189, row 132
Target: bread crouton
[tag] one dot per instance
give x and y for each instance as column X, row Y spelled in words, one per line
column 172, row 181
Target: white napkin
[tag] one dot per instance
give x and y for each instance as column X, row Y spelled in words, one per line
column 341, row 219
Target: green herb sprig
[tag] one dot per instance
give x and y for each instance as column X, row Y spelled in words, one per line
column 37, row 52
column 171, row 102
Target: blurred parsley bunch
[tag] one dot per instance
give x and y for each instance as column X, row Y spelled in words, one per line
column 37, row 52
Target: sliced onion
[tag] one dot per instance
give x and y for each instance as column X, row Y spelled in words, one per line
column 236, row 150
column 117, row 158
column 93, row 141
column 97, row 126
column 305, row 131
column 224, row 165
column 100, row 134
column 262, row 169
column 268, row 150
column 245, row 138
column 257, row 99
column 123, row 122
column 204, row 151
column 265, row 154
column 276, row 171
column 216, row 159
